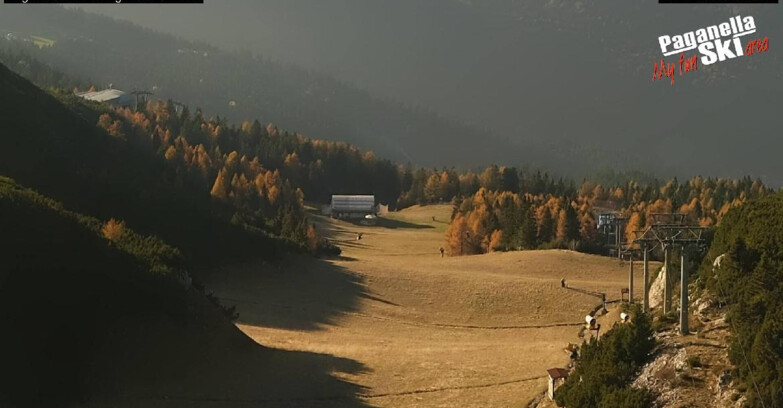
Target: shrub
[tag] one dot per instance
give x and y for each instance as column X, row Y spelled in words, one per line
column 327, row 249
column 627, row 398
column 113, row 230
column 606, row 367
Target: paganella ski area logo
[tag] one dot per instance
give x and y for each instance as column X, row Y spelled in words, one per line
column 716, row 43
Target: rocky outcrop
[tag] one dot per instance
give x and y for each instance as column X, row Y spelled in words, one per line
column 686, row 371
column 694, row 370
column 656, row 289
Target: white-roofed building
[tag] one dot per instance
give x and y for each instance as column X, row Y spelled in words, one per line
column 353, row 206
column 112, row 96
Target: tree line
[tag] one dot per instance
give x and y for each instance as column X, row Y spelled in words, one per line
column 263, row 175
column 512, row 211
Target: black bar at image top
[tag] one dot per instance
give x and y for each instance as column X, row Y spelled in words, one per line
column 718, row 1
column 104, row 2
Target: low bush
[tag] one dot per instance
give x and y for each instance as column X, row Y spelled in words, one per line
column 606, row 367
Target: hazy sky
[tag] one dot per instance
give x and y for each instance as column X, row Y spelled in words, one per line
column 572, row 73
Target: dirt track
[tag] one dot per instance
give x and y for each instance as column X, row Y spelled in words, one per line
column 476, row 331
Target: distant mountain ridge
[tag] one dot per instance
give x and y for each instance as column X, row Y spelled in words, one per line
column 244, row 87
column 569, row 80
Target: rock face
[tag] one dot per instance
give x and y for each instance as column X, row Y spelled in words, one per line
column 692, row 371
column 656, row 289
column 660, row 374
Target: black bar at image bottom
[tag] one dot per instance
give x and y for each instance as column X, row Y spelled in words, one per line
column 104, row 2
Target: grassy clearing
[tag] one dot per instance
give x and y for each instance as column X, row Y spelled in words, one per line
column 475, row 331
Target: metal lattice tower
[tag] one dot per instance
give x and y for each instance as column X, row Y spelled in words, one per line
column 670, row 230
column 632, row 254
column 612, row 226
column 141, row 97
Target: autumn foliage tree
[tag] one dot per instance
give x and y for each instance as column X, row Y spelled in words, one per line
column 258, row 175
column 458, row 237
column 113, row 230
column 549, row 213
column 635, row 223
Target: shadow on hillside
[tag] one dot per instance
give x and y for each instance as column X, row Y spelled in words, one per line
column 300, row 293
column 331, row 230
column 206, row 362
column 350, row 243
column 346, row 258
column 390, row 223
column 88, row 337
column 394, row 224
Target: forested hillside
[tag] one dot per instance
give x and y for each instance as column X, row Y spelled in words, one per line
column 261, row 174
column 98, row 303
column 59, row 151
column 531, row 212
column 237, row 163
column 66, row 277
column 96, row 315
column 242, row 87
column 748, row 280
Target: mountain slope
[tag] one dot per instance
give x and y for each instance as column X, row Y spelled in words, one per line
column 62, row 283
column 58, row 150
column 107, row 319
column 743, row 271
column 572, row 80
column 242, row 87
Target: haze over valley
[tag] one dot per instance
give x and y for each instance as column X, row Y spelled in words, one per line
column 409, row 203
column 553, row 85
